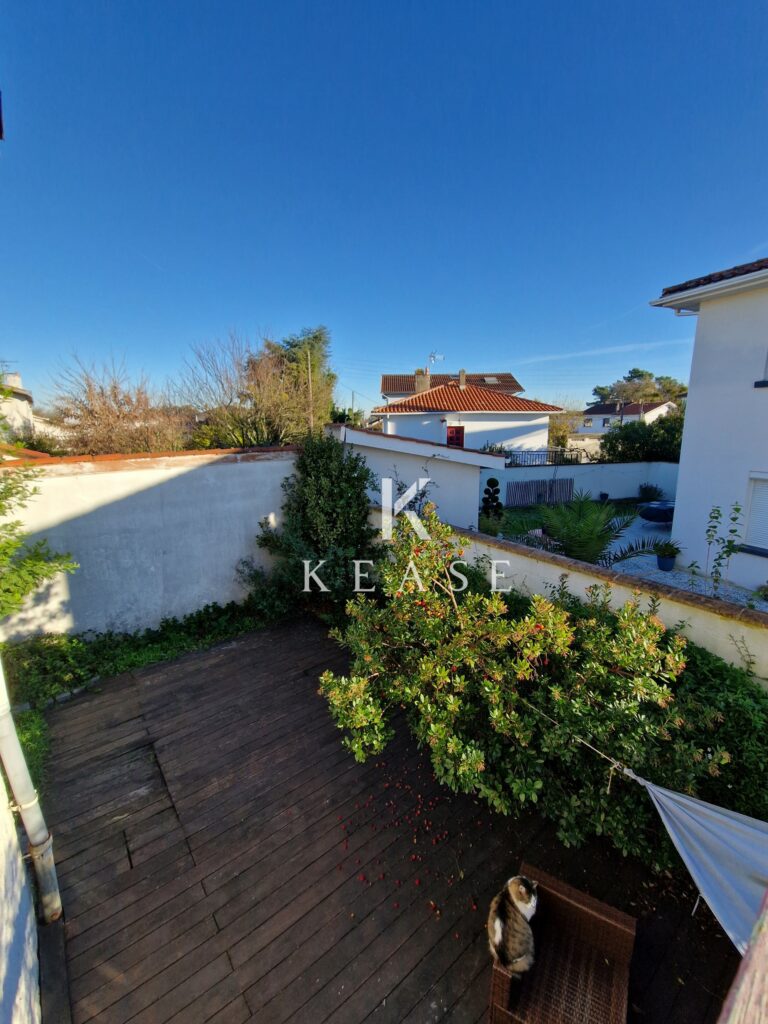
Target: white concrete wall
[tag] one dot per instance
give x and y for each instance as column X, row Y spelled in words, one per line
column 454, row 488
column 715, row 625
column 523, row 430
column 17, row 413
column 617, row 479
column 19, row 981
column 154, row 537
column 725, row 439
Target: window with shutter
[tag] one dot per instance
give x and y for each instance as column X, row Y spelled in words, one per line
column 757, row 522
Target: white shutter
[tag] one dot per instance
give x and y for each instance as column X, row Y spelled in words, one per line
column 757, row 525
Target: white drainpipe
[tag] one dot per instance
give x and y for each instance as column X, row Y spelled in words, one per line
column 28, row 806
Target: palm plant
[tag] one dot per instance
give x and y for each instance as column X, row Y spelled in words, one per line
column 585, row 529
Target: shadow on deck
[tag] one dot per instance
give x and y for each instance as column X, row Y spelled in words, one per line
column 223, row 859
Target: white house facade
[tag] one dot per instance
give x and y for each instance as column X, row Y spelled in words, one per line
column 469, row 416
column 599, row 418
column 729, row 385
column 454, row 474
column 16, row 405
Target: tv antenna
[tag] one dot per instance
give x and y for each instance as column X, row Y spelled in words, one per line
column 435, row 357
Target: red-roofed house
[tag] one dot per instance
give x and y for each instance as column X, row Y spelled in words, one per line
column 599, row 418
column 467, row 415
column 402, row 385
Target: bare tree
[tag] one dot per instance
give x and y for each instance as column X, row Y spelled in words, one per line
column 249, row 397
column 215, row 383
column 101, row 411
column 564, row 424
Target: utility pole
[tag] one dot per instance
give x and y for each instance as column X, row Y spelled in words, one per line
column 309, row 379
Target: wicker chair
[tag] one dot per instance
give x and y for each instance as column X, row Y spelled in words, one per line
column 581, row 974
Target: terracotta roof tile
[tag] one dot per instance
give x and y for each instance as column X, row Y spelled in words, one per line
column 405, row 383
column 719, row 275
column 452, row 398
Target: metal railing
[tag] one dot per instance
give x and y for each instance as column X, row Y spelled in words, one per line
column 546, row 457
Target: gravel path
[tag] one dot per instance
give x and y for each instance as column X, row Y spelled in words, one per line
column 644, row 566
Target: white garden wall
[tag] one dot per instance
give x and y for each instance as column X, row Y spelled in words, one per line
column 453, row 486
column 154, row 536
column 19, row 979
column 722, row 628
column 618, row 480
column 158, row 536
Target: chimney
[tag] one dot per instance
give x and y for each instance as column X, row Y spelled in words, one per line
column 422, row 382
column 462, row 378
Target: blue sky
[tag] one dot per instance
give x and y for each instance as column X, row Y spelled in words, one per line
column 506, row 184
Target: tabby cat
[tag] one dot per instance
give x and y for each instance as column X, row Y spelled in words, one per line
column 509, row 935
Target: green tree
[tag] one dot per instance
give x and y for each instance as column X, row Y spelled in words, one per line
column 644, row 442
column 354, row 417
column 309, row 354
column 23, row 566
column 640, row 386
column 562, row 425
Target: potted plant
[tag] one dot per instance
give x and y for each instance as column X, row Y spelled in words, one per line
column 666, row 553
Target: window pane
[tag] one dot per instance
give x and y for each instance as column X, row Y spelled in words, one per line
column 757, row 525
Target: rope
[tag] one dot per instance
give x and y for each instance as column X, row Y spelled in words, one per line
column 615, row 765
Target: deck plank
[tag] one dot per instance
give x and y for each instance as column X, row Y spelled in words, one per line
column 223, row 859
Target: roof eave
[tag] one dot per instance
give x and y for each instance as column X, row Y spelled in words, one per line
column 392, row 410
column 690, row 300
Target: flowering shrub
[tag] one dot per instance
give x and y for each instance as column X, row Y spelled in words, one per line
column 499, row 696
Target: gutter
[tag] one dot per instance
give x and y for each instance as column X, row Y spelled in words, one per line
column 27, row 804
column 689, row 301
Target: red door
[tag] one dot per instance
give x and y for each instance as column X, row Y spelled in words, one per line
column 455, row 437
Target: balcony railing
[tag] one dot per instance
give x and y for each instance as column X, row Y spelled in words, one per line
column 546, row 457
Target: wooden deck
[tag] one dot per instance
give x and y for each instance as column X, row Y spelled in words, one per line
column 223, row 859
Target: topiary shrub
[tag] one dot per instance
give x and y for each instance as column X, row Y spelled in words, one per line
column 491, row 505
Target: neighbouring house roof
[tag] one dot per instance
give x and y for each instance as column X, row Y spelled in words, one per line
column 452, row 397
column 688, row 294
column 617, row 409
column 405, row 383
column 718, row 275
